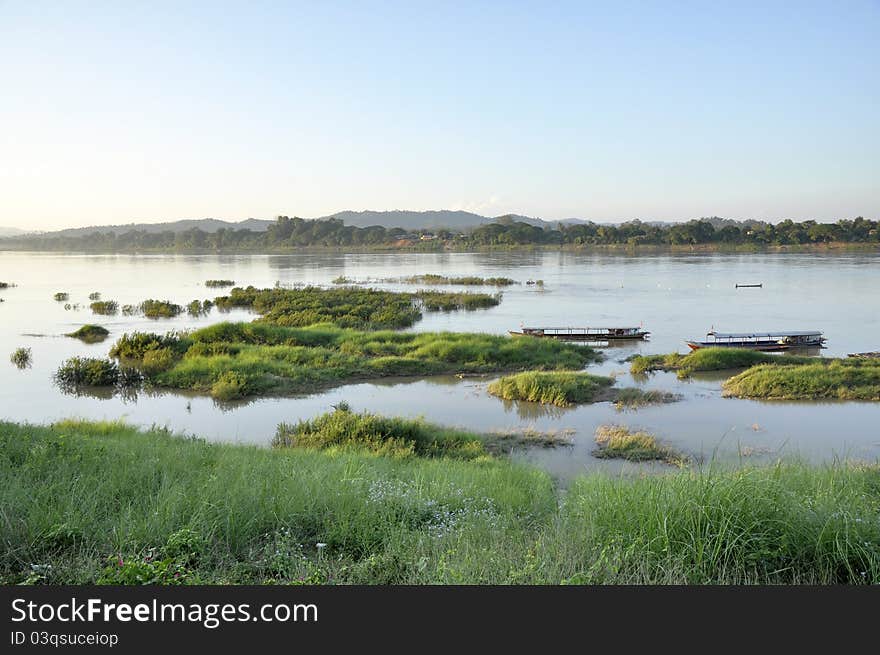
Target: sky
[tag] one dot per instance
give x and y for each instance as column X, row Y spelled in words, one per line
column 120, row 112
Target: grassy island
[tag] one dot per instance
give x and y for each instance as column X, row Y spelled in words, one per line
column 843, row 379
column 235, row 360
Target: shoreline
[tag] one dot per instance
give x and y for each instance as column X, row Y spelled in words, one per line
column 623, row 249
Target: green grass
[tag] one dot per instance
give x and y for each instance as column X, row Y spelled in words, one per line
column 844, row 379
column 348, row 307
column 618, row 442
column 102, row 502
column 160, row 308
column 236, row 360
column 87, row 371
column 104, row 307
column 21, row 357
column 199, row 307
column 90, row 333
column 392, row 436
column 562, row 388
column 711, row 359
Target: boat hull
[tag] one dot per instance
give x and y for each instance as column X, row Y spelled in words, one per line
column 578, row 336
column 762, row 347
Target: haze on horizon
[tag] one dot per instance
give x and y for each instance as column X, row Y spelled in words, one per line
column 115, row 113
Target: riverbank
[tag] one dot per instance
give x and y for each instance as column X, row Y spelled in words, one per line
column 106, row 503
column 436, row 247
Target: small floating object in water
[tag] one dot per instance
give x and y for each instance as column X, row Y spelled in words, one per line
column 750, row 286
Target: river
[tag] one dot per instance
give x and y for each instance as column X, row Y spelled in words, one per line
column 674, row 296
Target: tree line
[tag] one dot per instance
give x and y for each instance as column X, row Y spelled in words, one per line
column 292, row 233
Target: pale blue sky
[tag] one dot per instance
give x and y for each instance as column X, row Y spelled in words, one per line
column 112, row 112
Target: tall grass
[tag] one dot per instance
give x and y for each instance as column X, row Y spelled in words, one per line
column 618, row 442
column 711, row 359
column 89, row 333
column 348, row 307
column 398, row 437
column 845, row 379
column 102, row 502
column 234, row 360
column 562, row 388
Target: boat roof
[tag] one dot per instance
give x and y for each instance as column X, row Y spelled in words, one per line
column 747, row 335
column 579, row 328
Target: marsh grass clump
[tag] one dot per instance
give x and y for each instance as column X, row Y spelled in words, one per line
column 87, row 371
column 6, row 285
column 843, row 379
column 634, row 398
column 199, row 308
column 104, row 307
column 561, row 388
column 442, row 301
column 90, row 333
column 504, row 441
column 618, row 442
column 133, row 347
column 219, row 283
column 61, row 296
column 346, row 307
column 711, row 359
column 160, row 308
column 21, row 357
column 95, row 295
column 391, row 436
column 349, row 307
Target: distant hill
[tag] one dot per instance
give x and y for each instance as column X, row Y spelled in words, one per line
column 408, row 220
column 203, row 224
column 11, row 232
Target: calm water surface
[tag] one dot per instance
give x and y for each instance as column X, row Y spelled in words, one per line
column 674, row 296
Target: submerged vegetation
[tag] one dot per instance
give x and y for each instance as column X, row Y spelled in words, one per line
column 349, row 307
column 90, row 333
column 235, row 360
column 21, row 357
column 219, row 283
column 711, row 359
column 396, row 437
column 562, row 388
column 87, row 371
column 199, row 307
column 842, row 379
column 160, row 308
column 465, row 280
column 197, row 513
column 104, row 307
column 618, row 442
column 634, row 398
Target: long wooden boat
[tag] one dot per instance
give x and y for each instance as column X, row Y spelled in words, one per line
column 582, row 333
column 763, row 341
